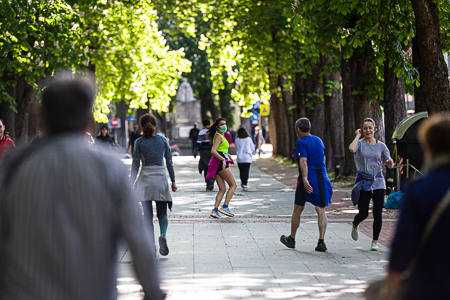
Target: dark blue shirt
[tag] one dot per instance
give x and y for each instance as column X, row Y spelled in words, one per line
column 311, row 147
column 431, row 277
column 152, row 151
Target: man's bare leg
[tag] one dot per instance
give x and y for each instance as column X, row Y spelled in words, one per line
column 295, row 220
column 322, row 221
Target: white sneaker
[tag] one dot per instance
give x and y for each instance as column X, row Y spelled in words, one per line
column 374, row 246
column 245, row 188
column 355, row 234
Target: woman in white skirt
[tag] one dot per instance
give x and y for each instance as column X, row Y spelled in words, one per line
column 151, row 149
column 244, row 150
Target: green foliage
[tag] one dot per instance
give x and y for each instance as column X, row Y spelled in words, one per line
column 38, row 37
column 132, row 61
column 179, row 38
column 118, row 40
column 238, row 47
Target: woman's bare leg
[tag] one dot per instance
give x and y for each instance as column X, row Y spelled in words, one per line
column 228, row 177
column 221, row 192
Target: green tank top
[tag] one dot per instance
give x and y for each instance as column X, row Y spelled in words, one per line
column 223, row 147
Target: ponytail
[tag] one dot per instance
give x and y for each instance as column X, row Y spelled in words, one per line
column 148, row 124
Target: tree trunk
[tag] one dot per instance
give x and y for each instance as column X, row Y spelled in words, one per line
column 349, row 115
column 356, row 73
column 314, row 101
column 24, row 97
column 420, row 102
column 317, row 117
column 278, row 124
column 361, row 75
column 431, row 64
column 376, row 115
column 140, row 112
column 279, row 116
column 394, row 103
column 299, row 95
column 164, row 123
column 122, row 134
column 208, row 105
column 334, row 120
column 290, row 130
column 226, row 110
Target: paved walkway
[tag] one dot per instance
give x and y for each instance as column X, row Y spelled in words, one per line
column 242, row 258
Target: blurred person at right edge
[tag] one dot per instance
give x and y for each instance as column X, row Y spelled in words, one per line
column 244, row 150
column 6, row 142
column 204, row 149
column 64, row 207
column 418, row 268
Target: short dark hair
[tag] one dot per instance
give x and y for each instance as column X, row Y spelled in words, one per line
column 67, row 105
column 242, row 133
column 303, row 124
column 432, row 133
column 206, row 123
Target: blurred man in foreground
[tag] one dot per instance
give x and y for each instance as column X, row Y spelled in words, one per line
column 63, row 208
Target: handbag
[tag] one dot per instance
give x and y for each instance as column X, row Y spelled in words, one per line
column 375, row 290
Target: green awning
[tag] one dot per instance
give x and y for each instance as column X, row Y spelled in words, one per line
column 403, row 126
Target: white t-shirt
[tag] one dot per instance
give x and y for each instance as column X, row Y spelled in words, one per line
column 244, row 150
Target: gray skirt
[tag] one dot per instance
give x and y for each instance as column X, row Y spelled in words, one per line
column 152, row 184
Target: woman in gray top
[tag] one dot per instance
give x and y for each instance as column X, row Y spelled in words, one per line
column 370, row 156
column 151, row 149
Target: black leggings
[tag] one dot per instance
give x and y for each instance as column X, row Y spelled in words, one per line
column 363, row 207
column 161, row 213
column 244, row 170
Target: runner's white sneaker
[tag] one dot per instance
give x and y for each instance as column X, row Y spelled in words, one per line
column 374, row 246
column 226, row 212
column 215, row 214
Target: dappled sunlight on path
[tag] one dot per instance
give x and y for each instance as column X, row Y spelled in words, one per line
column 242, row 258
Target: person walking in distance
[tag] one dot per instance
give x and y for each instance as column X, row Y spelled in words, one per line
column 65, row 206
column 151, row 149
column 370, row 156
column 5, row 142
column 193, row 136
column 313, row 185
column 204, row 148
column 244, row 149
column 104, row 138
column 132, row 137
column 219, row 168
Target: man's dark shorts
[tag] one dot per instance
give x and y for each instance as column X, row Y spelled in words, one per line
column 300, row 197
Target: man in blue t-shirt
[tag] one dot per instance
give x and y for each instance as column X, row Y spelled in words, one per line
column 313, row 185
